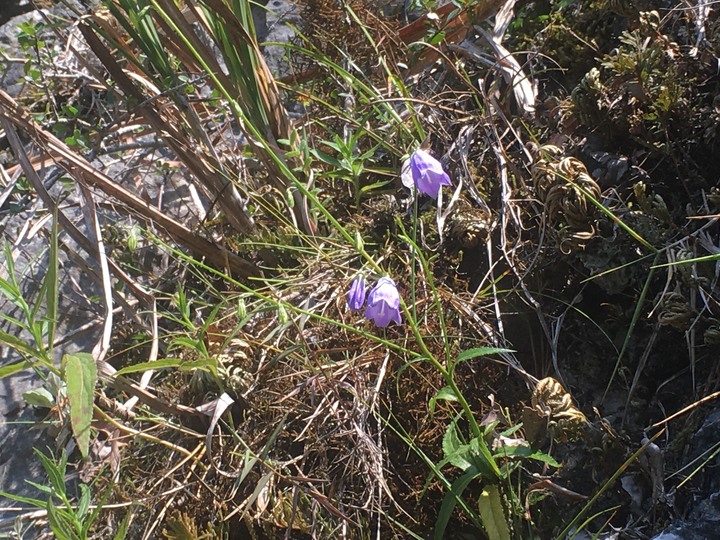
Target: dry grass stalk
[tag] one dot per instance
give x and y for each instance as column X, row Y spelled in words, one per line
column 83, row 171
column 180, row 126
column 212, row 175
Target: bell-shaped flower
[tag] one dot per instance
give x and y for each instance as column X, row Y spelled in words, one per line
column 356, row 294
column 384, row 303
column 427, row 173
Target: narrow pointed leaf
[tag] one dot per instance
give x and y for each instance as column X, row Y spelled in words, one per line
column 12, row 369
column 480, row 351
column 450, row 500
column 51, row 283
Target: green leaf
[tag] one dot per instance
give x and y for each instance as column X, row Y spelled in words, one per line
column 527, row 453
column 80, row 375
column 480, row 351
column 375, row 185
column 437, row 38
column 189, row 343
column 55, row 472
column 41, row 488
column 163, row 363
column 482, row 459
column 370, row 153
column 445, row 393
column 23, row 348
column 12, row 369
column 122, row 530
column 58, row 522
column 492, row 514
column 456, row 452
column 26, row 500
column 40, row 397
column 84, row 502
column 325, row 158
column 451, row 440
column 51, row 283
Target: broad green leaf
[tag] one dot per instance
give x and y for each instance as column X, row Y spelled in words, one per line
column 480, row 351
column 527, row 453
column 492, row 514
column 80, row 374
column 451, row 440
column 445, row 394
column 455, row 451
column 40, row 397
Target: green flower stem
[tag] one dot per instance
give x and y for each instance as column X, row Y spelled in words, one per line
column 447, row 373
column 412, row 261
column 436, row 297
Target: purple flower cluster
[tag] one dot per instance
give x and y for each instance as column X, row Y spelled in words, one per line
column 383, row 301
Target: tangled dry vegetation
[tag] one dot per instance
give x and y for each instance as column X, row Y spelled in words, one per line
column 577, row 233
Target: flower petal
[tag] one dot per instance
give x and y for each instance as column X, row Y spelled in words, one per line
column 427, row 173
column 383, row 306
column 356, row 294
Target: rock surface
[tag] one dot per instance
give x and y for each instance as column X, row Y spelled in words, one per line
column 702, row 524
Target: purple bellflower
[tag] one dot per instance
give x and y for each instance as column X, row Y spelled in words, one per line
column 384, row 303
column 356, row 294
column 427, row 173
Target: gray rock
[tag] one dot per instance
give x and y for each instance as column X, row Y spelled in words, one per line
column 279, row 13
column 702, row 524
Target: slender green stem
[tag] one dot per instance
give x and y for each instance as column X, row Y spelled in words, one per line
column 436, row 299
column 633, row 322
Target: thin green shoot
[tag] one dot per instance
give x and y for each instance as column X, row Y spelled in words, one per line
column 631, row 328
